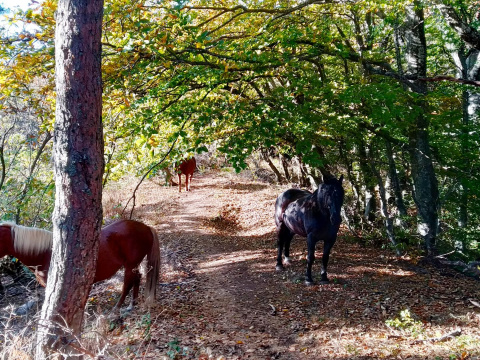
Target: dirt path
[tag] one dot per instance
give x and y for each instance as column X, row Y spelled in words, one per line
column 229, row 311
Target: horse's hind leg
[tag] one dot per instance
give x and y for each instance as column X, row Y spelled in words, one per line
column 286, row 251
column 190, row 184
column 136, row 287
column 131, row 279
column 284, row 238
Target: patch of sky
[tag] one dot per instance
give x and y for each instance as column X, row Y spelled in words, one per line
column 8, row 9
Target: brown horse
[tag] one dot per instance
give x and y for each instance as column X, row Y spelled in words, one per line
column 122, row 244
column 186, row 167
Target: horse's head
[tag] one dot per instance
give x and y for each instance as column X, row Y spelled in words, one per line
column 330, row 196
column 6, row 242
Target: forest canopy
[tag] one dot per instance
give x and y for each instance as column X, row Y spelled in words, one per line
column 384, row 92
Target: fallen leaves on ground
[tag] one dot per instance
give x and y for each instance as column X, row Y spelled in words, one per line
column 221, row 298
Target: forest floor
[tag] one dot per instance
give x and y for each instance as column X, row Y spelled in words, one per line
column 221, row 298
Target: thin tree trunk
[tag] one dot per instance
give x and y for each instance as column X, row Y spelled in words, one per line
column 467, row 61
column 370, row 204
column 423, row 172
column 469, row 68
column 285, row 167
column 350, row 177
column 397, row 190
column 308, row 179
column 78, row 156
column 280, row 178
column 23, row 194
column 384, row 207
column 3, row 173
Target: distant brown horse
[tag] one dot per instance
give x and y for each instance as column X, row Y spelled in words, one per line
column 122, row 244
column 186, row 167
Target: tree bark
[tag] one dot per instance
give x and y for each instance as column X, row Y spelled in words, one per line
column 31, row 172
column 397, row 189
column 3, row 171
column 384, row 207
column 468, row 65
column 285, row 164
column 467, row 33
column 467, row 61
column 78, row 158
column 423, row 172
column 370, row 204
column 351, row 178
column 272, row 166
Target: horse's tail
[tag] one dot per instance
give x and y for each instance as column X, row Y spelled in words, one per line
column 153, row 269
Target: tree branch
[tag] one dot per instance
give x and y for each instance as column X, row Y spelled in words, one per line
column 466, row 32
column 452, row 79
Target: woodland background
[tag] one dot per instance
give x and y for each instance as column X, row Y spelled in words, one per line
column 384, row 92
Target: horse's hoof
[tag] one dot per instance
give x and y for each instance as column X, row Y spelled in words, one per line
column 287, row 261
column 309, row 283
column 279, row 268
column 324, row 282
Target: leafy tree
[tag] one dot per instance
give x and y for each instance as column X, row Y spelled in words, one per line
column 336, row 86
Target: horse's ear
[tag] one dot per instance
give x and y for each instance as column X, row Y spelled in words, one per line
column 341, row 179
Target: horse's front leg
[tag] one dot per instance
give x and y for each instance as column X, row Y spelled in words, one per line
column 136, row 287
column 327, row 247
column 311, row 241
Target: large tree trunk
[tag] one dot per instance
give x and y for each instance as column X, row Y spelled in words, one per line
column 468, row 65
column 423, row 172
column 78, row 156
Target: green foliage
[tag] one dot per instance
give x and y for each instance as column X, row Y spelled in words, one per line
column 146, row 324
column 406, row 323
column 319, row 83
column 176, row 350
column 26, row 188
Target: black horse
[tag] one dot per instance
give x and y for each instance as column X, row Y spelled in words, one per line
column 315, row 216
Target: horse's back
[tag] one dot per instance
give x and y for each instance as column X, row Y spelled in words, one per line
column 285, row 199
column 123, row 243
column 187, row 166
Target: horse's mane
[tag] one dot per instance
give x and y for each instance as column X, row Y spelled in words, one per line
column 31, row 241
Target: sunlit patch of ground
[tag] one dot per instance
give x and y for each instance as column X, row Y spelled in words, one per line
column 224, row 260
